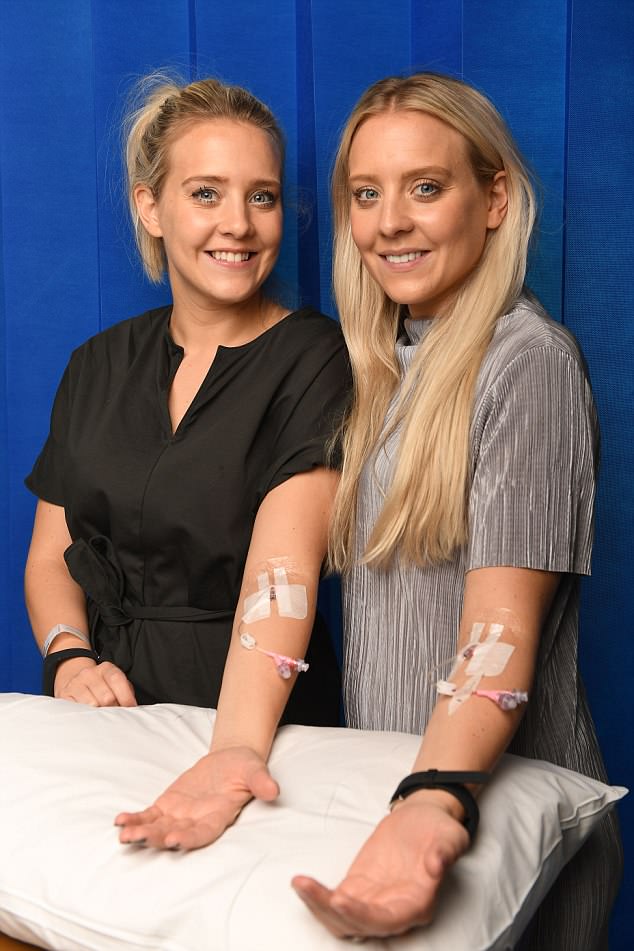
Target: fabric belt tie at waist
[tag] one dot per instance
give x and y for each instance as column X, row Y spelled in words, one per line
column 95, row 567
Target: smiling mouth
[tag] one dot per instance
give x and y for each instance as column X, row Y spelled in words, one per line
column 402, row 258
column 231, row 257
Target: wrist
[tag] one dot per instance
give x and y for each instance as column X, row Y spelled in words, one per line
column 65, row 641
column 63, row 631
column 54, row 661
column 438, row 798
column 452, row 782
column 260, row 746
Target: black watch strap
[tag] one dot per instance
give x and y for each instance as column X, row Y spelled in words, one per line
column 451, row 782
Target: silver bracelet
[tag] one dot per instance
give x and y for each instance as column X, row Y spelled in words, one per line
column 61, row 629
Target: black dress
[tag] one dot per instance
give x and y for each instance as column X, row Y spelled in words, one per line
column 161, row 522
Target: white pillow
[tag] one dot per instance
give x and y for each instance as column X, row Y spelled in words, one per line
column 66, row 883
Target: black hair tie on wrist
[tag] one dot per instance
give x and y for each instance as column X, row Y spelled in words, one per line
column 52, row 662
column 451, row 782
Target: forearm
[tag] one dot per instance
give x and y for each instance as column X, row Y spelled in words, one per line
column 505, row 608
column 52, row 597
column 254, row 695
column 288, row 546
column 474, row 735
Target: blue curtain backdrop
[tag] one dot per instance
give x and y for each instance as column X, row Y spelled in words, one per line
column 561, row 71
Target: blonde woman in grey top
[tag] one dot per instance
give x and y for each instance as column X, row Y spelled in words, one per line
column 465, row 510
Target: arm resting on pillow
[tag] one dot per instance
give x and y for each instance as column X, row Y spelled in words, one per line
column 291, row 529
column 52, row 597
column 393, row 882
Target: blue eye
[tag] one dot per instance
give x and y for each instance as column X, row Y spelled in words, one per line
column 426, row 189
column 205, row 195
column 264, row 198
column 365, row 195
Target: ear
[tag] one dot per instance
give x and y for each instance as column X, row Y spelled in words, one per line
column 498, row 201
column 147, row 210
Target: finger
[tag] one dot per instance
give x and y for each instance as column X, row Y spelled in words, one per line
column 377, row 917
column 65, row 694
column 317, row 899
column 120, row 687
column 103, row 694
column 311, row 888
column 263, row 786
column 200, row 833
column 81, row 693
column 90, row 685
column 438, row 860
column 152, row 834
column 137, row 818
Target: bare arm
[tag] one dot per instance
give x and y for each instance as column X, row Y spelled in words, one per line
column 290, row 531
column 477, row 734
column 292, row 527
column 393, row 882
column 52, row 597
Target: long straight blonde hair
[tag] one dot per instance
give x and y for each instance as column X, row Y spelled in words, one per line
column 424, row 517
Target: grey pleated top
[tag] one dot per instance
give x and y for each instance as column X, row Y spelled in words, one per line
column 534, row 446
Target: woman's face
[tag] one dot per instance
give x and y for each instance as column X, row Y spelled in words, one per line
column 219, row 212
column 418, row 214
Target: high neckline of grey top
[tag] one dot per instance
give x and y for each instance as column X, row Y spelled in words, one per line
column 415, row 330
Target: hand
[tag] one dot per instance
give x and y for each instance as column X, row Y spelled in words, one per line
column 99, row 685
column 393, row 882
column 196, row 809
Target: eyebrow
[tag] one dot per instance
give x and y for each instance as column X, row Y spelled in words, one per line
column 222, row 180
column 411, row 173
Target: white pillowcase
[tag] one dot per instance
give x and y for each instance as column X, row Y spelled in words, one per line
column 67, row 883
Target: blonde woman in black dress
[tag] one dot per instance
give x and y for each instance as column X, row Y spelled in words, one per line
column 186, row 468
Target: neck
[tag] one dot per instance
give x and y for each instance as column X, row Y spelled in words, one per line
column 198, row 328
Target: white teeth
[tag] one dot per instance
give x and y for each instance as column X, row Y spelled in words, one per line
column 230, row 256
column 403, row 258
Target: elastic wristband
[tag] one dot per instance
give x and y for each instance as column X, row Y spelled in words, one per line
column 53, row 661
column 61, row 629
column 451, row 782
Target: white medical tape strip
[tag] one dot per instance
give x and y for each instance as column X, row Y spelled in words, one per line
column 446, row 688
column 474, row 640
column 292, row 600
column 489, row 659
column 463, row 693
column 486, row 658
column 258, row 606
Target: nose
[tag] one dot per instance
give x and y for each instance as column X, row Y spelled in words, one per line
column 236, row 219
column 395, row 216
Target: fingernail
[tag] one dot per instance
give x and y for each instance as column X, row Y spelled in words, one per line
column 136, row 842
column 174, row 848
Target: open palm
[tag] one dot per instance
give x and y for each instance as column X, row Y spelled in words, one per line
column 393, row 883
column 197, row 808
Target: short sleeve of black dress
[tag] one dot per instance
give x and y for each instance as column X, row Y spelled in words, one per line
column 47, row 477
column 161, row 521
